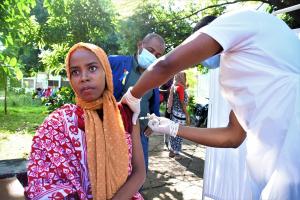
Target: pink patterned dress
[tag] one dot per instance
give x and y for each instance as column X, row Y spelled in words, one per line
column 57, row 166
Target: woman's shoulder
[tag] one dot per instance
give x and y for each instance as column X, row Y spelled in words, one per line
column 65, row 111
column 67, row 114
column 126, row 115
column 67, row 108
column 124, row 109
column 179, row 88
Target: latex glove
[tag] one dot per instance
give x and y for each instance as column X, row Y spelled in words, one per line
column 133, row 103
column 162, row 125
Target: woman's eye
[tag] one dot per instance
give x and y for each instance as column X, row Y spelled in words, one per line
column 75, row 72
column 93, row 68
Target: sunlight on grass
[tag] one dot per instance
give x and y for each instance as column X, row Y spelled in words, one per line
column 17, row 129
column 23, row 119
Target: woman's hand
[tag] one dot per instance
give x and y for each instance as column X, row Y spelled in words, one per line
column 162, row 125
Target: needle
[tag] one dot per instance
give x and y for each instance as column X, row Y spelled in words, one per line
column 143, row 118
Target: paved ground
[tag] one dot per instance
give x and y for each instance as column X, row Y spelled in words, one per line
column 170, row 179
column 167, row 178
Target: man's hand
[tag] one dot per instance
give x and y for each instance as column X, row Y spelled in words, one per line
column 133, row 103
column 162, row 125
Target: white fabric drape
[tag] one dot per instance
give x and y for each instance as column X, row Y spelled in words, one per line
column 225, row 172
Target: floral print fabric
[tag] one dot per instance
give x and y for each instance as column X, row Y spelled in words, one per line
column 57, row 166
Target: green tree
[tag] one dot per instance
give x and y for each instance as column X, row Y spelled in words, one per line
column 79, row 21
column 291, row 18
column 29, row 57
column 150, row 17
column 69, row 22
column 173, row 23
column 53, row 59
column 17, row 28
column 29, row 53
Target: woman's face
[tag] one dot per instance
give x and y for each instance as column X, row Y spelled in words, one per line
column 87, row 75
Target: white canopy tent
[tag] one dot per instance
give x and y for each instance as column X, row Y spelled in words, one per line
column 225, row 173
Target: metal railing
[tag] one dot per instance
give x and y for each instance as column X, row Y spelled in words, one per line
column 288, row 9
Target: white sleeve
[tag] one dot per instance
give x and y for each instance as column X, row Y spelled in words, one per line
column 233, row 30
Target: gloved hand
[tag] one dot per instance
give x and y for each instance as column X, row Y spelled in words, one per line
column 162, row 125
column 133, row 103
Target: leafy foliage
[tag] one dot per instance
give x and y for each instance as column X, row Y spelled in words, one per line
column 153, row 17
column 79, row 21
column 63, row 96
column 168, row 20
column 191, row 105
column 28, row 26
column 35, row 34
column 291, row 18
column 69, row 22
column 53, row 60
column 15, row 24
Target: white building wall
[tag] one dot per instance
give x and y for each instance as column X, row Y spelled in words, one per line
column 202, row 91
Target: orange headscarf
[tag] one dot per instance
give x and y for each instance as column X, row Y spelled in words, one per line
column 107, row 150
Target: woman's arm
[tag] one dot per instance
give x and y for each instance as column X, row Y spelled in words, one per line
column 231, row 136
column 185, row 112
column 138, row 175
column 181, row 93
column 193, row 50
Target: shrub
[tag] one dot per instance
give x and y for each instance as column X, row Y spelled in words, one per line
column 191, row 105
column 17, row 90
column 63, row 96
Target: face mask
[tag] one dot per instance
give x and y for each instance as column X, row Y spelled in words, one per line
column 145, row 59
column 212, row 62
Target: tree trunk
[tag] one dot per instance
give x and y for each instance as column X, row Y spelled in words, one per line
column 5, row 93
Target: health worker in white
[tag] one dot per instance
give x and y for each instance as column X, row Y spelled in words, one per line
column 260, row 79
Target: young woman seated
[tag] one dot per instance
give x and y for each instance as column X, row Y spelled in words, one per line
column 89, row 150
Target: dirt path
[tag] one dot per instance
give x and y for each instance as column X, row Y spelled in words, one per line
column 14, row 145
column 167, row 178
column 171, row 179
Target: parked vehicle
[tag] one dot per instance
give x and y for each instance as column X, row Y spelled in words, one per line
column 201, row 112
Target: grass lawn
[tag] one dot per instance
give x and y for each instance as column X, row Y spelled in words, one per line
column 18, row 126
column 23, row 119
